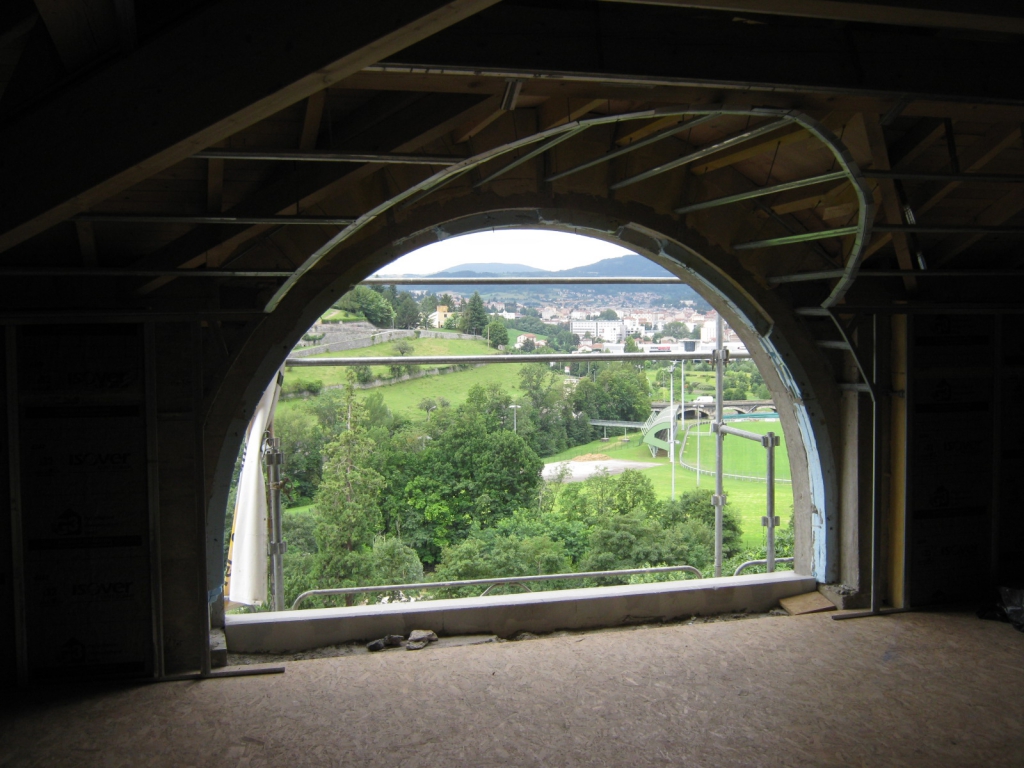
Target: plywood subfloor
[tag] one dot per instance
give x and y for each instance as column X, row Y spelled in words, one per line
column 909, row 689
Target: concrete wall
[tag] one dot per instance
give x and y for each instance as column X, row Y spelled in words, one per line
column 505, row 615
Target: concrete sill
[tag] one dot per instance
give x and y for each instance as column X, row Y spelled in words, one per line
column 504, row 615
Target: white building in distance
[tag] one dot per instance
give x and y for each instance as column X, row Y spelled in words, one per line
column 613, row 331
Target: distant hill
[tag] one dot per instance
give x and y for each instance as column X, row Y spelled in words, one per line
column 489, row 269
column 620, row 266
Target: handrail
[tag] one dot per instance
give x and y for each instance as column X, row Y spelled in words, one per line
column 493, row 582
column 750, row 563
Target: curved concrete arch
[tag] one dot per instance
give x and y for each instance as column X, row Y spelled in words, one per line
column 795, row 370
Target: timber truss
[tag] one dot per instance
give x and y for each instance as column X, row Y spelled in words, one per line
column 253, row 145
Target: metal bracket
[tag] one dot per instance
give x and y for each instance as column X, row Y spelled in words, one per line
column 278, row 547
column 775, row 522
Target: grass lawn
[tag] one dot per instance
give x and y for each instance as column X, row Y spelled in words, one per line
column 340, row 316
column 746, row 497
column 334, row 376
column 742, row 456
column 403, row 397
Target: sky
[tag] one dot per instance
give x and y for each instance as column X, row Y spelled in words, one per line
column 543, row 249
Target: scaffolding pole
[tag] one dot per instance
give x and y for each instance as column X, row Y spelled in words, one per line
column 719, row 498
column 274, row 459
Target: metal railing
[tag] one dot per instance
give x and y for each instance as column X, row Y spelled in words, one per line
column 517, row 580
column 751, row 563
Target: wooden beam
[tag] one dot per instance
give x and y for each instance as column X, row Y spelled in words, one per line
column 87, row 242
column 559, row 111
column 181, row 93
column 973, row 159
column 810, row 203
column 646, row 130
column 787, row 136
column 976, row 157
column 890, row 207
column 82, row 31
column 215, row 185
column 407, row 129
column 12, row 43
column 311, row 122
column 478, row 118
column 917, row 14
column 1005, row 208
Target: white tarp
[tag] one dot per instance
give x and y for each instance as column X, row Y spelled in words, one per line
column 246, row 580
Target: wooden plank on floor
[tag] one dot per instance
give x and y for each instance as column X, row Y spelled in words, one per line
column 811, row 602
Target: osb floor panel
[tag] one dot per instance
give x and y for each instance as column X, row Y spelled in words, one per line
column 909, row 689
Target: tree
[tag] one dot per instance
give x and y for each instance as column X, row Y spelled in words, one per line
column 428, row 303
column 372, row 305
column 608, row 314
column 528, row 346
column 427, row 404
column 631, row 345
column 497, row 333
column 451, row 323
column 474, row 316
column 446, row 300
column 348, row 515
column 696, row 506
column 407, row 311
column 394, row 563
column 403, row 347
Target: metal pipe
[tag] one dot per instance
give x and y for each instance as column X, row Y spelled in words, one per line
column 915, row 308
column 672, row 426
column 710, row 149
column 153, row 494
column 388, row 158
column 770, row 442
column 762, row 191
column 130, row 316
column 17, row 529
column 512, row 583
column 128, row 218
column 942, row 229
column 718, row 500
column 987, row 178
column 114, row 272
column 670, row 280
column 274, row 459
column 727, row 430
column 509, row 580
column 803, row 237
column 635, row 145
column 750, row 563
column 829, row 274
column 199, row 489
column 531, row 154
column 301, row 362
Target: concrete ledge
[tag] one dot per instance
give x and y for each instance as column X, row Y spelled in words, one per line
column 505, row 615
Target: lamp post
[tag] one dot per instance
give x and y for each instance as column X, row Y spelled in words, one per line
column 515, row 426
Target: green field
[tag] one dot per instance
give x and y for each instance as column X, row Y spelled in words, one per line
column 336, row 376
column 746, row 497
column 741, row 456
column 339, row 316
column 403, row 397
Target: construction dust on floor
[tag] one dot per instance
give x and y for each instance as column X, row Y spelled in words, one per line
column 906, row 689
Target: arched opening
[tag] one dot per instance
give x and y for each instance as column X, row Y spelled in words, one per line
column 804, row 454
